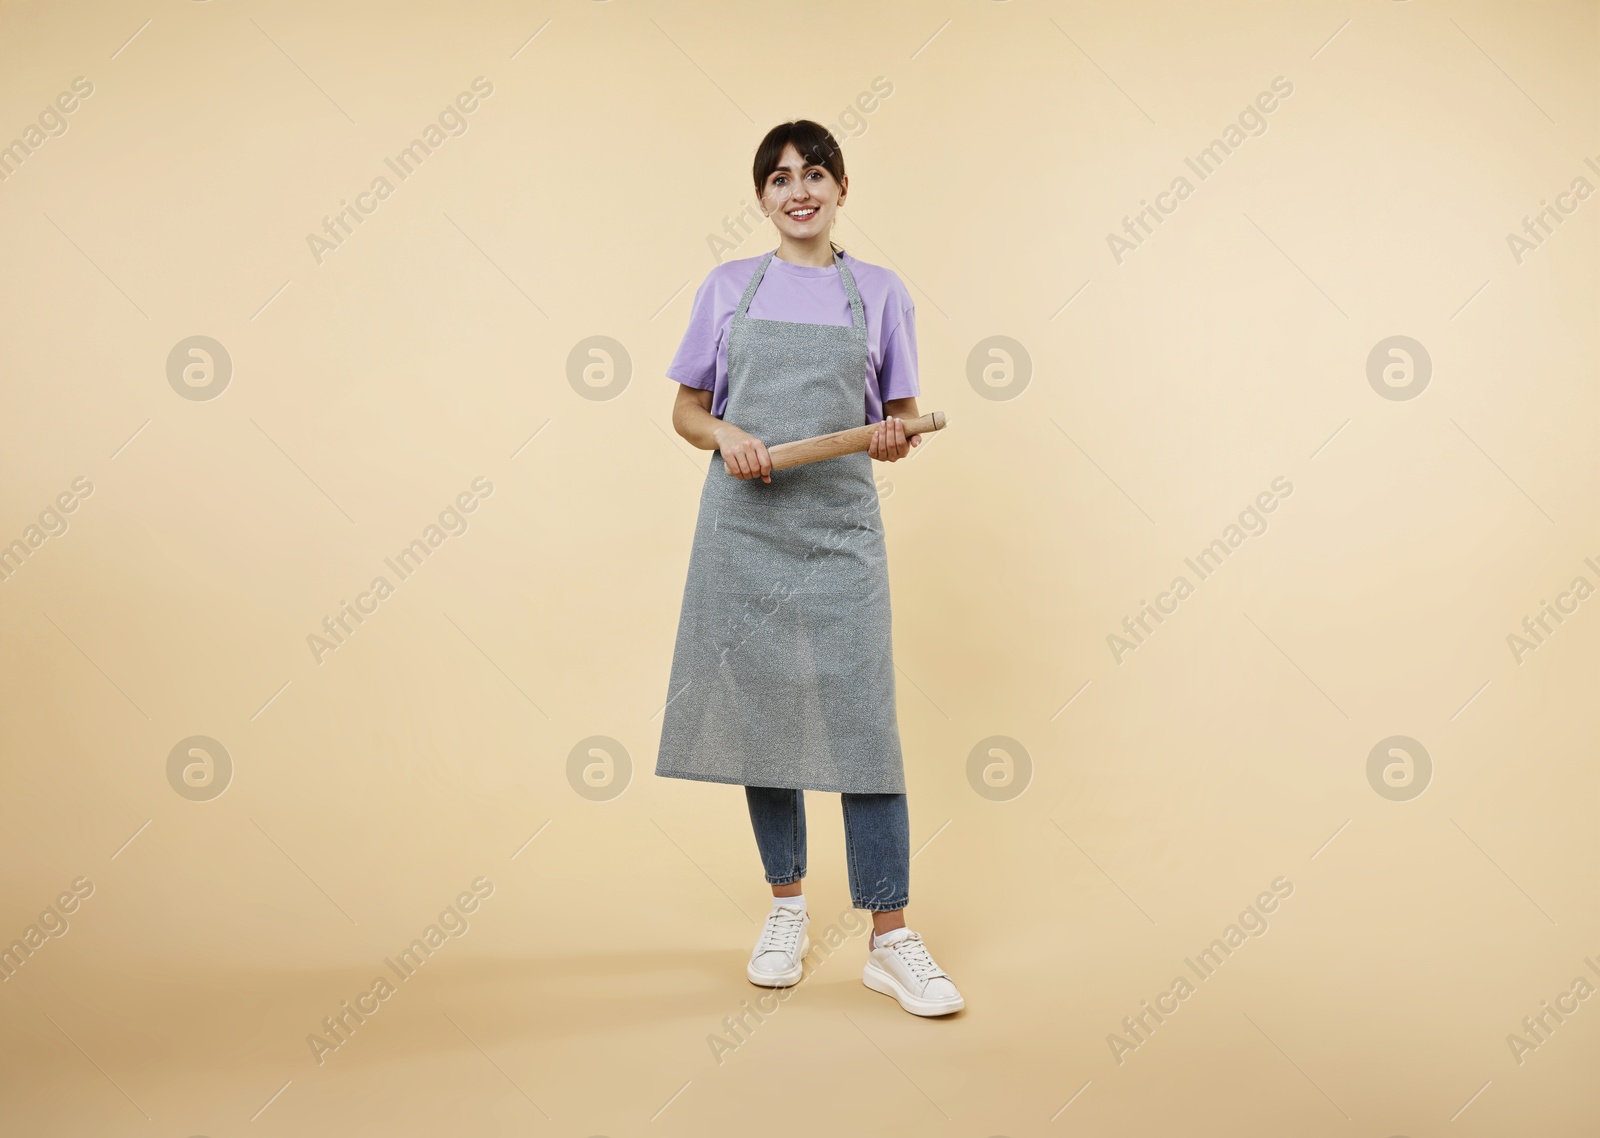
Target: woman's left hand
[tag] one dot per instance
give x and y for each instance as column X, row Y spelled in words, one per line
column 890, row 442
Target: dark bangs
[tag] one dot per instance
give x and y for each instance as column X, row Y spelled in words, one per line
column 815, row 143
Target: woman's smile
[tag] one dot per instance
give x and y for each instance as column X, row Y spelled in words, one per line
column 802, row 199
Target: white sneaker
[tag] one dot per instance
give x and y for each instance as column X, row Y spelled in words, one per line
column 898, row 965
column 775, row 962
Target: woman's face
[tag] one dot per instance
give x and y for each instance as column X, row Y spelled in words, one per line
column 801, row 200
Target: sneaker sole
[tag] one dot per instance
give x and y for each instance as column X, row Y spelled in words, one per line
column 879, row 980
column 780, row 979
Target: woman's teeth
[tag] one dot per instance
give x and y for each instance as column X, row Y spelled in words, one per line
column 802, row 214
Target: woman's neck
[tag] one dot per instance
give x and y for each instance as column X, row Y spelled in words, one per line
column 816, row 253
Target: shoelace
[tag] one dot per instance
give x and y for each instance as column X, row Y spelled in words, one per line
column 915, row 954
column 782, row 931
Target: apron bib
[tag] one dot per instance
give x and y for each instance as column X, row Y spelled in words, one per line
column 783, row 672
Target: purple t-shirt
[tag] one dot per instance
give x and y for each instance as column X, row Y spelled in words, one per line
column 810, row 295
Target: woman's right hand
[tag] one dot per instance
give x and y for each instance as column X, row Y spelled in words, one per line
column 743, row 454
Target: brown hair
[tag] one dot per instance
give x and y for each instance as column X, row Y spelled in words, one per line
column 814, row 142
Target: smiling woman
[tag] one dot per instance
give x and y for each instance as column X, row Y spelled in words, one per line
column 799, row 694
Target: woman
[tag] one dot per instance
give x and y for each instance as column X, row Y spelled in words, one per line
column 782, row 674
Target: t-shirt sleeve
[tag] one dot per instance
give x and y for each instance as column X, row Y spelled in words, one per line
column 897, row 375
column 695, row 363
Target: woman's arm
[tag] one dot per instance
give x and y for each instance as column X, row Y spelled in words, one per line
column 743, row 454
column 889, row 440
column 692, row 418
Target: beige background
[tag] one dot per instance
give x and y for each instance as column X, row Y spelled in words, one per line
column 1160, row 794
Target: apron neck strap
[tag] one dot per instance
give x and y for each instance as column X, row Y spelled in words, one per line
column 858, row 315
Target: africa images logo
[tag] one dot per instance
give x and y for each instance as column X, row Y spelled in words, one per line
column 451, row 122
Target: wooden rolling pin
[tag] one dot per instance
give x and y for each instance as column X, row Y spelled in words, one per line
column 814, row 449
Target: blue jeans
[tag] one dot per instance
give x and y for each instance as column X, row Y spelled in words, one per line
column 877, row 833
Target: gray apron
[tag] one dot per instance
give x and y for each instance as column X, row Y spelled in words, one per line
column 783, row 674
